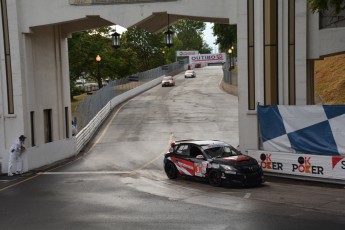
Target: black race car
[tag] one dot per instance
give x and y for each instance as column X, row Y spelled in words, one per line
column 215, row 161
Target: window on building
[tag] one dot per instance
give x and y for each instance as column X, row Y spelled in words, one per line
column 292, row 72
column 271, row 52
column 7, row 56
column 48, row 132
column 67, row 123
column 251, row 53
column 32, row 125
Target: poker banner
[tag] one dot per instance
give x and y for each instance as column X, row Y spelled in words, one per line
column 331, row 167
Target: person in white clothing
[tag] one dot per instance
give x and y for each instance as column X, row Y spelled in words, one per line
column 15, row 159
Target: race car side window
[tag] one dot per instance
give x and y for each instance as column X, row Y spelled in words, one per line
column 183, row 150
column 194, row 151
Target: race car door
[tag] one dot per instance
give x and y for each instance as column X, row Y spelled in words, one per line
column 198, row 159
column 183, row 161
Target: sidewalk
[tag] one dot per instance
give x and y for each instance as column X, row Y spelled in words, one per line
column 231, row 88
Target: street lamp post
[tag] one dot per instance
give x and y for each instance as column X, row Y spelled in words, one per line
column 115, row 40
column 163, row 53
column 230, row 52
column 169, row 36
column 99, row 80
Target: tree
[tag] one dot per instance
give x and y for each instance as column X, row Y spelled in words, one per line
column 226, row 36
column 148, row 47
column 190, row 34
column 83, row 49
column 321, row 5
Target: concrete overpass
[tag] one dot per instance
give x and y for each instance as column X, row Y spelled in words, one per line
column 277, row 43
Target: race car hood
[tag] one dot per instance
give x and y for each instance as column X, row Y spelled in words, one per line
column 235, row 160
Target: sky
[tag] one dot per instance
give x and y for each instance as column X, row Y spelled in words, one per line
column 208, row 37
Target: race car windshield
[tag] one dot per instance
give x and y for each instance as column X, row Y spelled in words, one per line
column 223, row 151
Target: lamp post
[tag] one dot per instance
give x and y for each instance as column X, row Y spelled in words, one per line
column 115, row 40
column 169, row 36
column 99, row 80
column 163, row 53
column 230, row 52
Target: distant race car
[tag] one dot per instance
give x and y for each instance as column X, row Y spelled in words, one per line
column 168, row 81
column 189, row 74
column 215, row 161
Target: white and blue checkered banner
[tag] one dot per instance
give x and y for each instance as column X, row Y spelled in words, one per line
column 310, row 129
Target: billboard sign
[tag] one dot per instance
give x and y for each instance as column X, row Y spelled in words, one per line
column 208, row 58
column 186, row 53
column 327, row 167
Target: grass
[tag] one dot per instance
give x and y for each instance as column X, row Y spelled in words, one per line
column 330, row 79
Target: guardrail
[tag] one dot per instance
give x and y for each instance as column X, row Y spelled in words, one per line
column 84, row 136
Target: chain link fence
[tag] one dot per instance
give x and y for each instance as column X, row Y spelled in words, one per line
column 88, row 108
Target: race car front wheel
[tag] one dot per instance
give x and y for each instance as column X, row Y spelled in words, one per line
column 170, row 170
column 214, row 178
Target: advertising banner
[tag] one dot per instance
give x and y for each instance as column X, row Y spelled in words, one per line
column 208, row 58
column 186, row 53
column 330, row 167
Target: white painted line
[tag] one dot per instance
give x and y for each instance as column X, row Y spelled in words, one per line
column 81, row 173
column 247, row 196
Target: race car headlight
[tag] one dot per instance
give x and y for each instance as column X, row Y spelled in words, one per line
column 229, row 169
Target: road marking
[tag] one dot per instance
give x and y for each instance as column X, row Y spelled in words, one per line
column 20, row 182
column 156, row 158
column 88, row 172
column 247, row 195
column 105, row 130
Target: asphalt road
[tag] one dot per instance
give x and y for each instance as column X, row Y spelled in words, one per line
column 119, row 182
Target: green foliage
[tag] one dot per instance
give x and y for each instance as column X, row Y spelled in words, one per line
column 226, row 36
column 148, row 47
column 85, row 46
column 190, row 33
column 320, row 5
column 140, row 51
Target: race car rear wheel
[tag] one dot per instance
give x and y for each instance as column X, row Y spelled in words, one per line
column 170, row 170
column 214, row 178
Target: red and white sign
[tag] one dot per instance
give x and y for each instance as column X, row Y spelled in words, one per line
column 186, row 53
column 332, row 167
column 207, row 58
